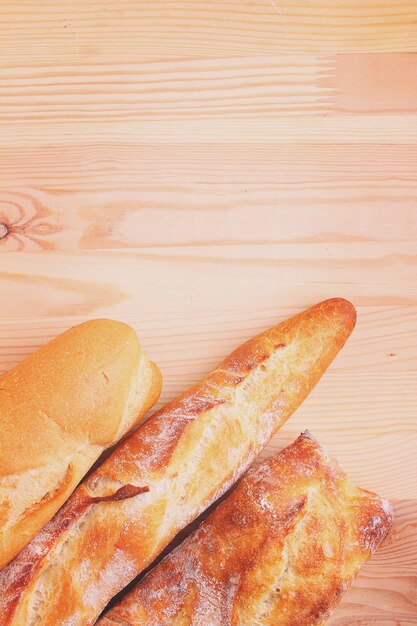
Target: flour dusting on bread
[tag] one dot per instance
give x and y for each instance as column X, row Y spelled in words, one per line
column 280, row 550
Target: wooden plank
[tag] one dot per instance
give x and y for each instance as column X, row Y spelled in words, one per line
column 119, row 196
column 105, row 166
column 166, row 90
column 376, row 82
column 48, row 32
column 189, row 344
column 224, row 214
column 231, row 88
column 339, row 129
column 187, row 280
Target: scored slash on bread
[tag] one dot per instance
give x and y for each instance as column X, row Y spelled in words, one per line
column 188, row 454
column 279, row 551
column 60, row 408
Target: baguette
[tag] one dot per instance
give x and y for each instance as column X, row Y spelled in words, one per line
column 186, row 455
column 279, row 551
column 60, row 408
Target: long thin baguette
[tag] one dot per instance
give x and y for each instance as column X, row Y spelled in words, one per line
column 279, row 551
column 186, row 455
column 59, row 409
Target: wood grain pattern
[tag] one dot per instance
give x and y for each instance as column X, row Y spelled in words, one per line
column 76, row 30
column 136, row 196
column 249, row 87
column 348, row 128
column 202, row 170
column 188, row 278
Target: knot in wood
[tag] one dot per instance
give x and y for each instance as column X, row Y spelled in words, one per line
column 4, row 231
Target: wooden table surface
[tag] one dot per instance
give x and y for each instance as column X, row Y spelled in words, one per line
column 204, row 169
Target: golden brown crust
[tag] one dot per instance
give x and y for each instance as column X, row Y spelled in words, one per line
column 60, row 408
column 188, row 454
column 279, row 551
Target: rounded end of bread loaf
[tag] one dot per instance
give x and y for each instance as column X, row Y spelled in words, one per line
column 86, row 387
column 60, row 408
column 145, row 391
column 339, row 316
column 343, row 309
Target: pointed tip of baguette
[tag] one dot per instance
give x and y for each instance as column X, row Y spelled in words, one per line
column 343, row 309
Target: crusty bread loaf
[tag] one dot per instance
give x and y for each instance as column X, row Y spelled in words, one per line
column 186, row 455
column 279, row 551
column 59, row 409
